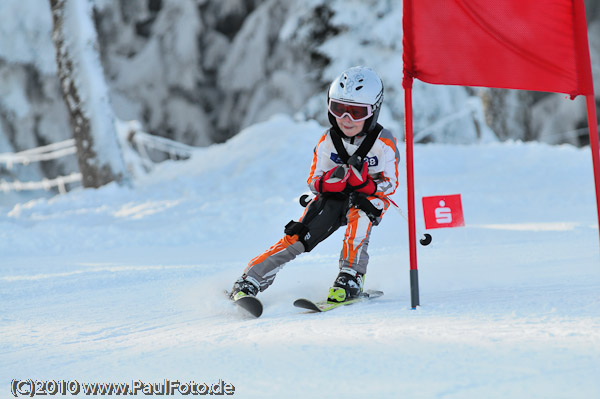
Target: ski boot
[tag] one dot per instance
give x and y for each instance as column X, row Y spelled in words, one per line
column 347, row 285
column 244, row 286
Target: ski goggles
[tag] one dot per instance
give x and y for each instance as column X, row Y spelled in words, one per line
column 356, row 112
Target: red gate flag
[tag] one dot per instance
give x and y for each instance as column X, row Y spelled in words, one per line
column 443, row 211
column 512, row 44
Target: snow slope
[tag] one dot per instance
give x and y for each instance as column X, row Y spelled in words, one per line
column 121, row 285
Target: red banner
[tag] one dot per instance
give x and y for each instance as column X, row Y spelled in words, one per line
column 513, row 44
column 443, row 211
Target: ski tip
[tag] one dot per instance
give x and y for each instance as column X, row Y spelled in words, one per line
column 307, row 304
column 300, row 301
column 250, row 304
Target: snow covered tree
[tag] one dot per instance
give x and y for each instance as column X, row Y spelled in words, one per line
column 86, row 94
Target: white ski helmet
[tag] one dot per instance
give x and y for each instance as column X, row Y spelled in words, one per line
column 359, row 85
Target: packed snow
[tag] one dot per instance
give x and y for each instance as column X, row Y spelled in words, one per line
column 126, row 284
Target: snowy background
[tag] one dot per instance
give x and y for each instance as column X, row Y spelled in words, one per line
column 125, row 283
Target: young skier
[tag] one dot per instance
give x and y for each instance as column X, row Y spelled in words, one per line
column 354, row 169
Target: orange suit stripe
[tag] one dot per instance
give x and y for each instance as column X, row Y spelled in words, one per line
column 313, row 165
column 349, row 250
column 281, row 245
column 391, row 143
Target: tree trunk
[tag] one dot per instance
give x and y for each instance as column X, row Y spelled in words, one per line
column 86, row 93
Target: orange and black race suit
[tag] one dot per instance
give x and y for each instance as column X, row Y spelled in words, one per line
column 327, row 212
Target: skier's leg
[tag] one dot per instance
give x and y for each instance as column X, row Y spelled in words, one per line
column 354, row 253
column 262, row 270
column 354, row 256
column 321, row 218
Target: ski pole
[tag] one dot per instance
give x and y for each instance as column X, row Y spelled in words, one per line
column 426, row 240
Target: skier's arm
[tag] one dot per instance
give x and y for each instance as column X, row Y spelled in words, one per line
column 387, row 181
column 316, row 167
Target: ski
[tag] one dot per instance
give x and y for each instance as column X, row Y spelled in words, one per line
column 249, row 303
column 324, row 306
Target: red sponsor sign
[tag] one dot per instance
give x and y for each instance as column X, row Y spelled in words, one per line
column 443, row 211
